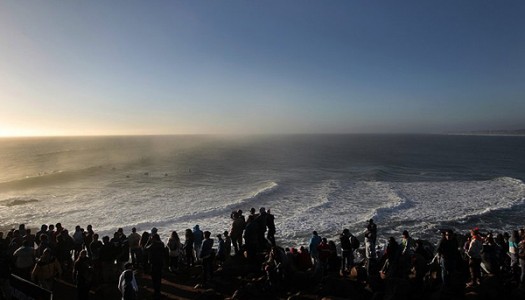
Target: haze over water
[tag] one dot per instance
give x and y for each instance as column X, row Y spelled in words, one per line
column 422, row 183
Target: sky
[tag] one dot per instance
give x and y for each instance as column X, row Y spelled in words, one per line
column 260, row 67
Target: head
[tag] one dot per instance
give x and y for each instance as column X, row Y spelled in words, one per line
column 262, row 210
column 207, row 234
column 154, row 230
column 314, row 233
column 83, row 254
column 128, row 266
column 405, row 234
column 134, row 230
column 43, row 227
column 43, row 238
column 226, row 233
column 105, row 239
column 252, row 210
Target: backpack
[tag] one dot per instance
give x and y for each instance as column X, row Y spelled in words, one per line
column 354, row 242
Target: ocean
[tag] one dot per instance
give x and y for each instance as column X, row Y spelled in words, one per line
column 421, row 183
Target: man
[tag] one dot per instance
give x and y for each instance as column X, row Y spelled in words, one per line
column 197, row 240
column 24, row 260
column 347, row 257
column 270, row 222
column 474, row 254
column 156, row 252
column 127, row 284
column 370, row 239
column 237, row 229
column 448, row 253
column 206, row 255
column 315, row 241
column 134, row 247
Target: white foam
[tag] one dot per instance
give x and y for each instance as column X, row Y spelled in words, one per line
column 327, row 206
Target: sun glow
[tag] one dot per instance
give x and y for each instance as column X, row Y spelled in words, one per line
column 24, row 132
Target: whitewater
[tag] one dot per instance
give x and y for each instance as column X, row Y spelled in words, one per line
column 309, row 182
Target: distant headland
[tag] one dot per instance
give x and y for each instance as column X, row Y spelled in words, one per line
column 517, row 132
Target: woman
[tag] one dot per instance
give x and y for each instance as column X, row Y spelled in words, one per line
column 188, row 247
column 174, row 248
column 83, row 275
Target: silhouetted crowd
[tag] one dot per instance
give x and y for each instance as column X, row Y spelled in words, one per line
column 87, row 260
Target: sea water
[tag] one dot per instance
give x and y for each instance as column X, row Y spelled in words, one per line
column 421, row 183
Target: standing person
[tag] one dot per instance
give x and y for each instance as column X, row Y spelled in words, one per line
column 45, row 270
column 94, row 249
column 198, row 237
column 236, row 230
column 221, row 251
column 107, row 255
column 43, row 230
column 521, row 257
column 156, row 259
column 391, row 257
column 227, row 245
column 347, row 257
column 448, row 253
column 44, row 244
column 24, row 260
column 323, row 251
column 315, row 241
column 127, row 284
column 5, row 271
column 270, row 222
column 206, row 255
column 134, row 247
column 83, row 275
column 188, row 247
column 474, row 254
column 144, row 238
column 174, row 249
column 88, row 238
column 78, row 240
column 407, row 251
column 513, row 253
column 370, row 239
column 261, row 229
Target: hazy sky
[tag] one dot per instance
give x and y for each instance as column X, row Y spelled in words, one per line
column 163, row 67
